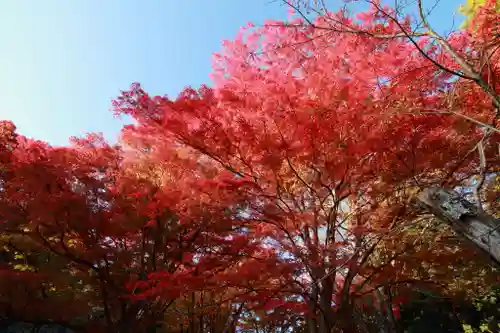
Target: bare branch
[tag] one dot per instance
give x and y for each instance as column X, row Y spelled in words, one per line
column 453, row 112
column 424, row 54
column 468, row 69
column 482, row 175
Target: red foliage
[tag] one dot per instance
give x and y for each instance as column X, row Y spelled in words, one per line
column 278, row 184
column 313, row 139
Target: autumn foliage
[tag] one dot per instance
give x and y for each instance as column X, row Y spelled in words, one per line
column 282, row 197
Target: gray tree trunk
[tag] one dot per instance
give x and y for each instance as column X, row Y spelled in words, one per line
column 481, row 229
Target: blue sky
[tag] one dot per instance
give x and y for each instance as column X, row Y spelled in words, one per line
column 62, row 62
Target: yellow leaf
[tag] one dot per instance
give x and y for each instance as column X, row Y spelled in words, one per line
column 21, row 267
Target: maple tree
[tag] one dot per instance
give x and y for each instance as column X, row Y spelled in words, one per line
column 280, row 199
column 330, row 134
column 475, row 69
column 82, row 229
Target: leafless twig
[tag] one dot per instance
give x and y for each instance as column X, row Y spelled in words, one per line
column 482, row 175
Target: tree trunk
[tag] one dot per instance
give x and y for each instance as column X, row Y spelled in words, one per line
column 311, row 305
column 481, row 229
column 326, row 314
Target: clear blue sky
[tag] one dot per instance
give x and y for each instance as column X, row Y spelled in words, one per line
column 62, row 61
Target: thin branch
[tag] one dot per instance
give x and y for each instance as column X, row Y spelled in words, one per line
column 424, row 54
column 470, row 72
column 296, row 8
column 444, row 43
column 482, row 176
column 349, row 30
column 456, row 113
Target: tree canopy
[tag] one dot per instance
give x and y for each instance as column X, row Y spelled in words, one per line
column 280, row 199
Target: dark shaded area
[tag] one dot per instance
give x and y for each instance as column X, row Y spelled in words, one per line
column 432, row 313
